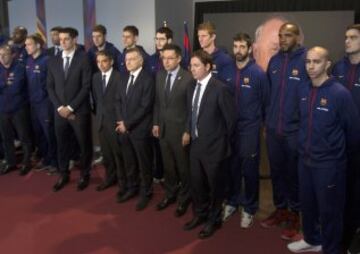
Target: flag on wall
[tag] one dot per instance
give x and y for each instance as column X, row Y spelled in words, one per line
column 41, row 19
column 89, row 21
column 186, row 46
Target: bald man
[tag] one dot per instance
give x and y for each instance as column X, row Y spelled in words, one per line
column 328, row 125
column 286, row 72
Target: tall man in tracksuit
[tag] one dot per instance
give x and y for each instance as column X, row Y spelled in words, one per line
column 347, row 72
column 286, row 72
column 329, row 124
column 221, row 69
column 251, row 88
column 14, row 110
column 42, row 110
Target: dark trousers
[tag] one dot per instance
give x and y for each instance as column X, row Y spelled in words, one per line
column 42, row 118
column 207, row 180
column 110, row 148
column 283, row 158
column 176, row 168
column 158, row 166
column 244, row 164
column 322, row 198
column 20, row 121
column 81, row 127
column 137, row 154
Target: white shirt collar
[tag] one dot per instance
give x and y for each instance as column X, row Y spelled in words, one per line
column 71, row 54
column 205, row 80
column 108, row 73
column 136, row 73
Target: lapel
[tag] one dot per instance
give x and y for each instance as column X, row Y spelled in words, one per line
column 176, row 84
column 60, row 66
column 72, row 64
column 205, row 95
column 109, row 84
column 131, row 91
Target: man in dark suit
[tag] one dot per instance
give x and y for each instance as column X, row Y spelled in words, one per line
column 170, row 114
column 134, row 110
column 55, row 40
column 68, row 83
column 211, row 124
column 104, row 86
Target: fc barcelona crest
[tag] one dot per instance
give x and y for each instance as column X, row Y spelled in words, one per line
column 246, row 81
column 37, row 67
column 295, row 72
column 323, row 102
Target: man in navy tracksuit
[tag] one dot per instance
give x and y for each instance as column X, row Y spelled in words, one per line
column 99, row 40
column 42, row 110
column 329, row 123
column 206, row 33
column 18, row 43
column 14, row 110
column 251, row 88
column 347, row 72
column 286, row 72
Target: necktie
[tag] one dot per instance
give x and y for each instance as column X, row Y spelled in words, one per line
column 56, row 50
column 103, row 83
column 194, row 112
column 167, row 88
column 67, row 65
column 131, row 84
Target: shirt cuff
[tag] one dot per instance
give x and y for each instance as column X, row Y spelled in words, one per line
column 70, row 108
column 60, row 108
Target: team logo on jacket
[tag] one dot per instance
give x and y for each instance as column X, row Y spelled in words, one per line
column 246, row 81
column 37, row 67
column 295, row 72
column 323, row 102
column 11, row 74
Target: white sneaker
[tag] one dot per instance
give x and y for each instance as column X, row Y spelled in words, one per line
column 302, row 246
column 227, row 212
column 246, row 219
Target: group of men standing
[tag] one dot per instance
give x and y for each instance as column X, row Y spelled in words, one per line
column 206, row 124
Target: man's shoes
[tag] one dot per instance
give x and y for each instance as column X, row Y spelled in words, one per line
column 302, row 246
column 52, row 171
column 104, row 185
column 278, row 217
column 227, row 212
column 83, row 183
column 61, row 182
column 125, row 197
column 247, row 220
column 165, row 203
column 143, row 202
column 209, row 230
column 196, row 221
column 7, row 168
column 24, row 170
column 181, row 209
column 40, row 166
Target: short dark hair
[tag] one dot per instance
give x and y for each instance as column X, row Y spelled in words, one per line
column 203, row 56
column 131, row 29
column 167, row 31
column 105, row 53
column 134, row 49
column 353, row 26
column 56, row 29
column 100, row 28
column 71, row 31
column 36, row 38
column 174, row 47
column 243, row 37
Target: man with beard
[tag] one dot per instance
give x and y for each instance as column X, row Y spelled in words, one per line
column 55, row 40
column 251, row 90
column 17, row 43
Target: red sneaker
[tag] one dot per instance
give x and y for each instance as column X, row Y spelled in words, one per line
column 275, row 219
column 292, row 228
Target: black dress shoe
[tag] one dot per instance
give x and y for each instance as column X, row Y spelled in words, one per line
column 83, row 183
column 119, row 194
column 181, row 209
column 196, row 221
column 104, row 185
column 24, row 170
column 142, row 203
column 209, row 230
column 61, row 182
column 7, row 168
column 165, row 203
column 125, row 197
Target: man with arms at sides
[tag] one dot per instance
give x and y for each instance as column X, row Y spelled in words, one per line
column 329, row 129
column 100, row 43
column 211, row 122
column 251, row 95
column 42, row 110
column 134, row 110
column 170, row 114
column 14, row 110
column 55, row 40
column 69, row 83
column 206, row 33
column 347, row 71
column 130, row 37
column 286, row 72
column 104, row 86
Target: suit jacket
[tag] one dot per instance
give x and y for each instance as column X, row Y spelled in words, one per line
column 105, row 102
column 136, row 107
column 216, row 121
column 75, row 89
column 172, row 116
